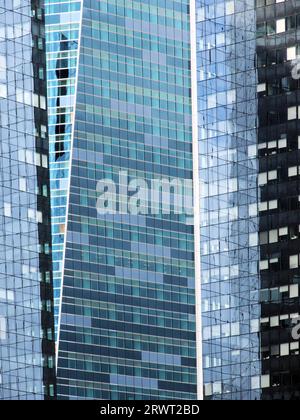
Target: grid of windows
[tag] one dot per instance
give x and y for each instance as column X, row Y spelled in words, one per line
column 26, row 301
column 63, row 23
column 227, row 85
column 127, row 324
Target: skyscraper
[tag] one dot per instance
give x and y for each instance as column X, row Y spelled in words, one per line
column 27, row 352
column 120, row 122
column 248, row 81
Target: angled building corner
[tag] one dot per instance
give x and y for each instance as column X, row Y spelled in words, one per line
column 27, row 351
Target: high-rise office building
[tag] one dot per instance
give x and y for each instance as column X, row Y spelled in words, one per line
column 27, row 351
column 248, row 88
column 121, row 143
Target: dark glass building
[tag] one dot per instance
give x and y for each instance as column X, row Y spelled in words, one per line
column 27, row 350
column 120, row 119
column 248, row 80
column 279, row 216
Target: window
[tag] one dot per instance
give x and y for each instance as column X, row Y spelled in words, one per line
column 253, row 210
column 291, row 53
column 201, row 14
column 36, row 100
column 268, row 205
column 265, row 381
column 31, row 214
column 282, row 144
column 253, row 239
column 272, row 175
column 272, row 145
column 271, row 28
column 231, row 96
column 211, row 101
column 44, row 161
column 7, row 210
column 263, row 206
column 295, row 348
column 283, row 231
column 284, row 349
column 280, row 26
column 292, row 113
column 43, row 131
column 233, row 213
column 255, row 382
column 3, row 91
column 229, row 8
column 261, row 87
column 263, row 238
column 217, row 388
column 264, row 177
column 235, row 329
column 232, row 185
column 273, row 236
column 22, row 184
column 39, row 216
column 264, row 265
column 255, row 326
column 43, row 102
column 293, row 171
column 274, row 321
column 24, row 96
column 262, row 146
column 2, row 328
column 208, row 390
column 220, row 39
column 2, row 62
column 294, row 261
column 294, row 291
column 29, row 157
column 252, row 151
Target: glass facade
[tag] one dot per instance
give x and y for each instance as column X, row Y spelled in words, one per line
column 27, row 351
column 120, row 109
column 278, row 156
column 248, row 83
column 63, row 25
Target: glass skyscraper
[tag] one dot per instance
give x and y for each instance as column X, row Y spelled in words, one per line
column 27, row 352
column 248, row 84
column 120, row 110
